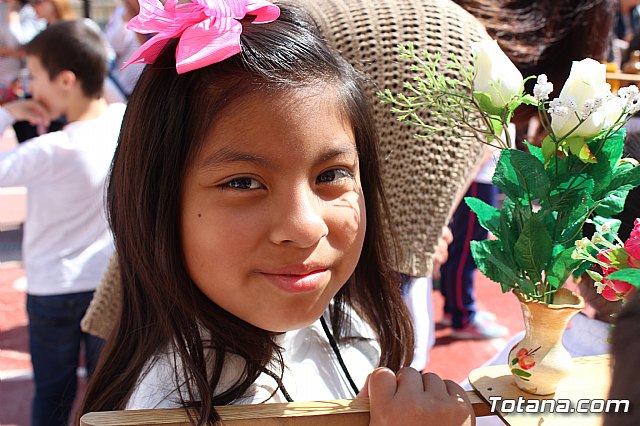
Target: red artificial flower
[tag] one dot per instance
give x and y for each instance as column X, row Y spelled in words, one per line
column 632, row 245
column 616, row 290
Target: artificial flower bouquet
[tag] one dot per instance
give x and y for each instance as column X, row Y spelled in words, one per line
column 577, row 175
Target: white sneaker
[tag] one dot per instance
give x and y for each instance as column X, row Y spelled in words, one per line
column 480, row 316
column 480, row 330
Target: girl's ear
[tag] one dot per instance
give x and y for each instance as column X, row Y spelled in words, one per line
column 66, row 79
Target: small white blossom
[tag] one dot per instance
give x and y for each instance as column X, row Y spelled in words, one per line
column 558, row 108
column 606, row 228
column 599, row 287
column 628, row 92
column 543, row 88
column 588, row 107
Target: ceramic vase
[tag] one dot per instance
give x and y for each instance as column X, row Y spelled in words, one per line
column 540, row 361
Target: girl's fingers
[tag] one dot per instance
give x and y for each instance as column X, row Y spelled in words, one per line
column 382, row 386
column 454, row 389
column 409, row 379
column 433, row 383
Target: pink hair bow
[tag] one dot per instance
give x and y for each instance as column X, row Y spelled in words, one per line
column 209, row 30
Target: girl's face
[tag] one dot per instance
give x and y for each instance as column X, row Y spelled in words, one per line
column 273, row 216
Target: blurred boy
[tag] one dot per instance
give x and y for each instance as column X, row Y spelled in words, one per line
column 66, row 242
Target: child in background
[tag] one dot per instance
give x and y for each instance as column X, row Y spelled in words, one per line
column 251, row 270
column 67, row 242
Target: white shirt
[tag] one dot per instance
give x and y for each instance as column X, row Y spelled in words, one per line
column 312, row 371
column 67, row 242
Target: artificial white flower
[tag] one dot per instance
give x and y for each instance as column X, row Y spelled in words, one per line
column 496, row 74
column 587, row 81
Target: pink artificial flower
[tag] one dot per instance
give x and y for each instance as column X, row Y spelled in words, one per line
column 616, row 290
column 209, row 30
column 632, row 245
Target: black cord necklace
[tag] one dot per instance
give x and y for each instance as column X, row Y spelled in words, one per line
column 336, row 351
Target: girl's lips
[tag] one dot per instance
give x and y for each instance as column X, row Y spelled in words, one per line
column 298, row 283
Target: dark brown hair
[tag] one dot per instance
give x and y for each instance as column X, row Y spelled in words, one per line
column 165, row 124
column 76, row 47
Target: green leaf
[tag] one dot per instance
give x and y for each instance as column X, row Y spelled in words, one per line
column 618, row 258
column 629, row 275
column 613, row 203
column 600, row 221
column 561, row 268
column 548, row 149
column 626, row 178
column 535, row 151
column 492, row 262
column 569, row 191
column 578, row 147
column 529, row 100
column 594, row 275
column 533, row 248
column 484, row 100
column 520, row 175
column 607, row 153
column 488, row 215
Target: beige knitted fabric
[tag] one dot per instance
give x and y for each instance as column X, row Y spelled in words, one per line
column 422, row 177
column 104, row 309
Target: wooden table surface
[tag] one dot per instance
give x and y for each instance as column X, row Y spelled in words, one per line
column 589, row 380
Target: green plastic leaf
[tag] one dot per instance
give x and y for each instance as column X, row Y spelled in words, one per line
column 520, row 175
column 613, row 203
column 484, row 101
column 629, row 275
column 618, row 258
column 594, row 275
column 612, row 223
column 533, row 248
column 561, row 267
column 488, row 215
column 535, row 151
column 578, row 147
column 492, row 262
column 607, row 153
column 570, row 191
column 626, row 178
column 529, row 100
column 548, row 148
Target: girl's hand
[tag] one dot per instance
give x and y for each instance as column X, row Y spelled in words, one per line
column 409, row 397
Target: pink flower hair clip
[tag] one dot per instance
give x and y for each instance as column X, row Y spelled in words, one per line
column 209, row 30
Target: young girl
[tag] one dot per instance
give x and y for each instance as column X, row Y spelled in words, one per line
column 251, row 269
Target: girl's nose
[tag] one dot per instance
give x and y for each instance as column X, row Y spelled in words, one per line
column 300, row 220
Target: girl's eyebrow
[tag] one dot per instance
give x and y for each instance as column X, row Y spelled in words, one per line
column 226, row 155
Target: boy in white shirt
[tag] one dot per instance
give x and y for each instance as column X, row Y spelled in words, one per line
column 67, row 241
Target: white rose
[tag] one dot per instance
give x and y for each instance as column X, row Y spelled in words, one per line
column 495, row 73
column 586, row 82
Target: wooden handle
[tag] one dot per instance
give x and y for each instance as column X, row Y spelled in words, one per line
column 352, row 412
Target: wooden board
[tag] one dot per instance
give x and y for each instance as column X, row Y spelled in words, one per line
column 590, row 379
column 319, row 413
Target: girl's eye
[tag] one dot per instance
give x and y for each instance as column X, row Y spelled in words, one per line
column 242, row 184
column 333, row 175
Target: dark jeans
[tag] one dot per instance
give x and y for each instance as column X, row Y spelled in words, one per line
column 55, row 341
column 456, row 275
